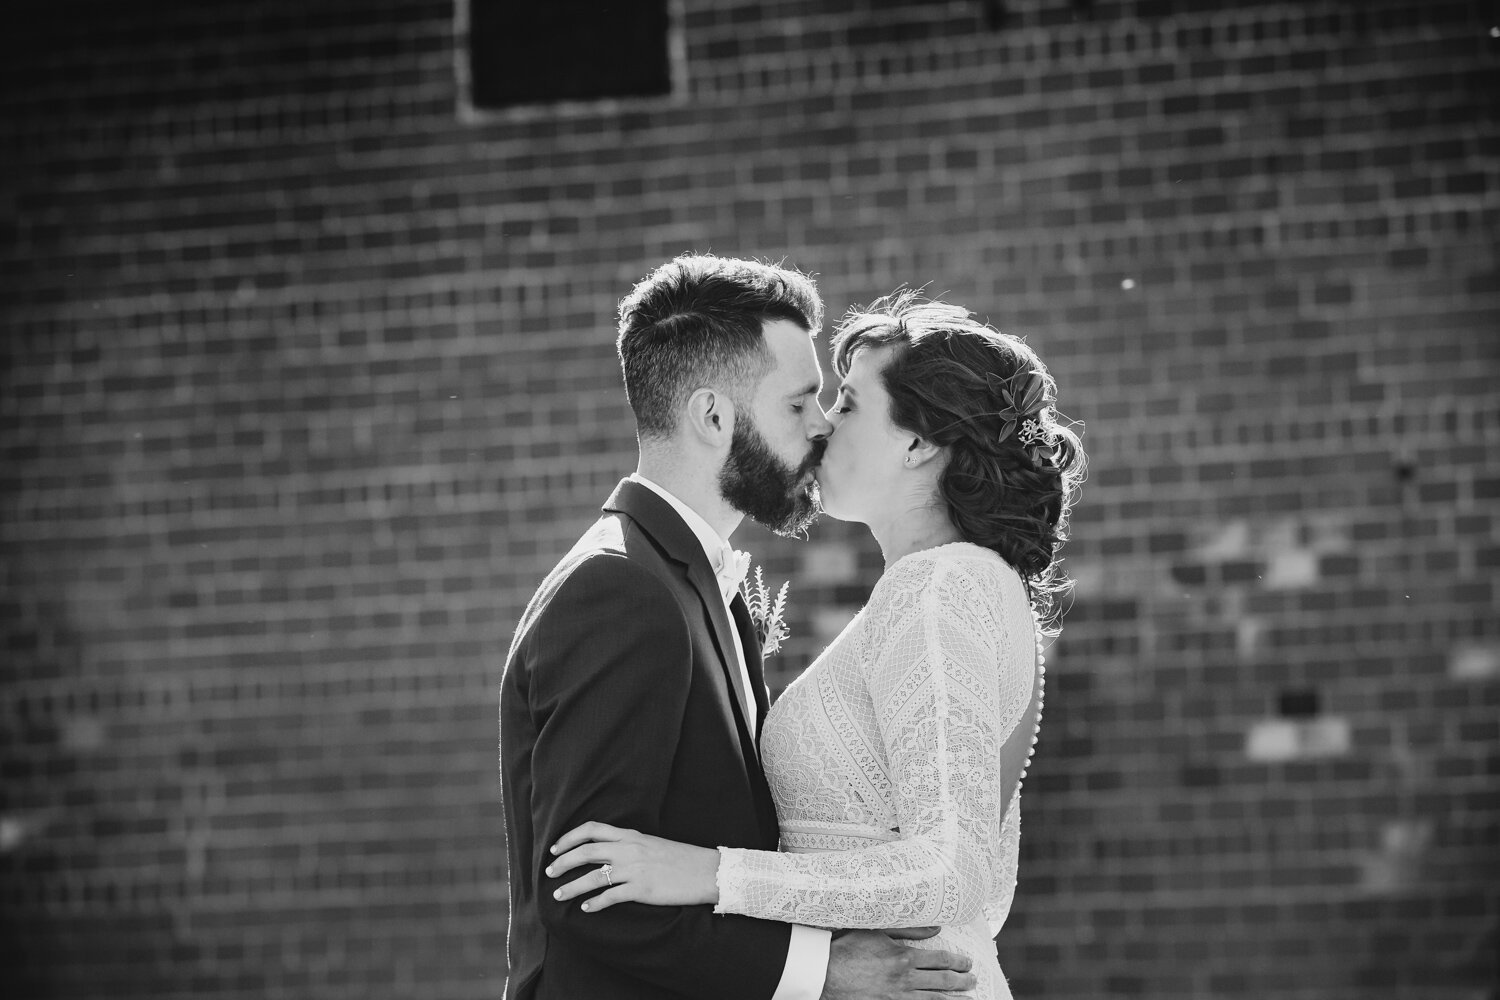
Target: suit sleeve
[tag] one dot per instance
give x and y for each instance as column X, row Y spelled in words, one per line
column 611, row 666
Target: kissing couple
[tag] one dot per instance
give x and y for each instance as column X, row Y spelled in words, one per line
column 672, row 835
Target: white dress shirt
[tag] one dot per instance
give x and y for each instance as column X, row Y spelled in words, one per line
column 806, row 966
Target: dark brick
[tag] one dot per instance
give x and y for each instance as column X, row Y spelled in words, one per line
column 1241, row 572
column 1469, row 183
column 1167, row 542
column 1338, row 565
column 1200, row 776
column 1156, row 73
column 1335, row 293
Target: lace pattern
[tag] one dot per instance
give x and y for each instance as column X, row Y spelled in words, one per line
column 896, row 762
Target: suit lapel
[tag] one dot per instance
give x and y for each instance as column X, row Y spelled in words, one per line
column 664, row 524
column 753, row 660
column 770, row 827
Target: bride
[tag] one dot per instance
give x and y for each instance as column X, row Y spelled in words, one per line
column 896, row 759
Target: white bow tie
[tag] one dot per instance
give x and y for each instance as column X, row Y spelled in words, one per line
column 733, row 565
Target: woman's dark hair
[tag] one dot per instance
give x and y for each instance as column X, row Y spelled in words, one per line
column 1013, row 465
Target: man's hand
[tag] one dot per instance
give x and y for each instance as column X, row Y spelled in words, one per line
column 868, row 965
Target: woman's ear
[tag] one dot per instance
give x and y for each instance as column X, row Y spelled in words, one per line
column 920, row 451
column 710, row 416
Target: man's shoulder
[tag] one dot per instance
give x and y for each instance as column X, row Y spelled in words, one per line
column 614, row 573
column 616, row 546
column 614, row 557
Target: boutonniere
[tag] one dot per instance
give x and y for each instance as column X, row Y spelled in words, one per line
column 765, row 613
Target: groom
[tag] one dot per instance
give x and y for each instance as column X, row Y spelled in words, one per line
column 633, row 691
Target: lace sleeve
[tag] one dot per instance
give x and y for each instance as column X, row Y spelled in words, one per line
column 947, row 692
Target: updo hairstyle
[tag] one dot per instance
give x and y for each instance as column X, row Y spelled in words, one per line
column 1010, row 477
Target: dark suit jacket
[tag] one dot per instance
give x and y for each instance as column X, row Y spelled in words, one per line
column 619, row 704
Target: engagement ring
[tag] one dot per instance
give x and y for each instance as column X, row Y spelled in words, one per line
column 606, row 870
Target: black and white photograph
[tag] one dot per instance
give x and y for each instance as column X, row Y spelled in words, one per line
column 727, row 500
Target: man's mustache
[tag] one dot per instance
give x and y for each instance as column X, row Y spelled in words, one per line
column 814, row 457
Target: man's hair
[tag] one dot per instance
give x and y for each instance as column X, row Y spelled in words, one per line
column 696, row 322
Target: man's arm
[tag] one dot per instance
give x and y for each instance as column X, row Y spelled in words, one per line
column 611, row 665
column 806, row 970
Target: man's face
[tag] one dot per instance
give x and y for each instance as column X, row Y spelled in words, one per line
column 778, row 443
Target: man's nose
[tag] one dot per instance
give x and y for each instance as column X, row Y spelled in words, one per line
column 818, row 424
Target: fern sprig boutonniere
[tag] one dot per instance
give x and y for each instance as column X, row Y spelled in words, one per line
column 766, row 613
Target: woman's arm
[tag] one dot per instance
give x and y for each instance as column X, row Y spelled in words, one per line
column 943, row 717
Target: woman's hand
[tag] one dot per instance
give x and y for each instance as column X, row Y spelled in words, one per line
column 637, row 867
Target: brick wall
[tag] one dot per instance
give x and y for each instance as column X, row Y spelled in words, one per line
column 308, row 378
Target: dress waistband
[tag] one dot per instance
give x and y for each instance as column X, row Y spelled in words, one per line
column 804, row 836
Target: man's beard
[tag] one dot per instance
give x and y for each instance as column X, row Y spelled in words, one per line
column 761, row 486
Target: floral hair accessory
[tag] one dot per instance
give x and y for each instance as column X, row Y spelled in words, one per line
column 1025, row 396
column 1040, row 442
column 766, row 613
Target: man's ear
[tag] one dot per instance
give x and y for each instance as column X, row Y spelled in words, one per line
column 710, row 417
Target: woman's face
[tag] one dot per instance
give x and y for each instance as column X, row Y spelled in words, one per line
column 862, row 474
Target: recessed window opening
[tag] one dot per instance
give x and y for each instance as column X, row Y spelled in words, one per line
column 552, row 51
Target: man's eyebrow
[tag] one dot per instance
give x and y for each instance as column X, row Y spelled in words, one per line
column 811, row 389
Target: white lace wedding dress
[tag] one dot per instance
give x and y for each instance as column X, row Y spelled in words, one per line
column 896, row 762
